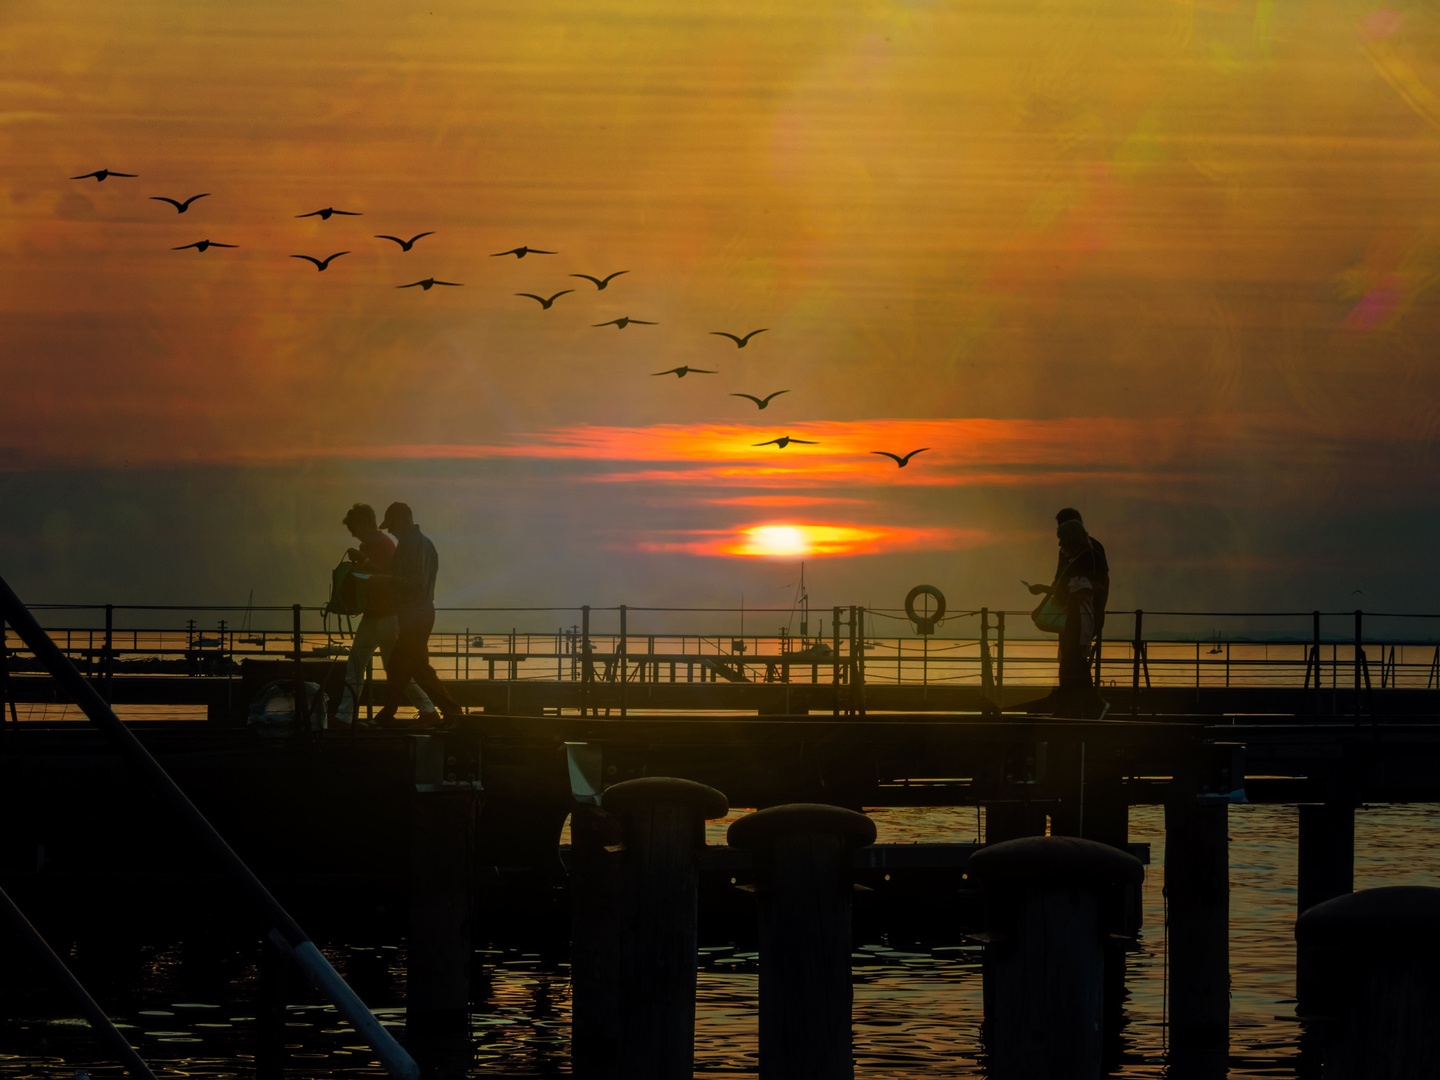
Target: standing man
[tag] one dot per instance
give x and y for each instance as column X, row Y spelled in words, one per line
column 378, row 626
column 1102, row 568
column 412, row 579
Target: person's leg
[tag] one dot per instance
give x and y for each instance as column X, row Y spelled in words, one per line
column 416, row 627
column 387, row 645
column 362, row 647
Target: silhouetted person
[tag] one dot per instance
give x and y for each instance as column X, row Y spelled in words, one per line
column 412, row 576
column 378, row 627
column 1102, row 568
column 1074, row 585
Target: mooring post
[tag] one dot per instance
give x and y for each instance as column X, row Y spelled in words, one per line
column 1044, row 962
column 1327, row 870
column 442, row 818
column 648, row 967
column 1379, row 954
column 803, row 886
column 274, row 986
column 1197, row 893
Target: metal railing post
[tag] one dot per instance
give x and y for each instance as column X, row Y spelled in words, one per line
column 1359, row 659
column 622, row 659
column 105, row 660
column 1000, row 657
column 302, row 698
column 587, row 672
column 7, row 703
column 987, row 677
column 1137, row 646
column 835, row 657
column 286, row 932
column 859, row 690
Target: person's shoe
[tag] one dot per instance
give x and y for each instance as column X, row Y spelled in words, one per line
column 366, row 723
column 451, row 716
column 387, row 719
column 339, row 725
column 426, row 720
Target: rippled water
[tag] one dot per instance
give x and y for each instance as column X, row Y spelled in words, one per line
column 917, row 1008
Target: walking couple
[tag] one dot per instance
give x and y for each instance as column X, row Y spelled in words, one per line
column 398, row 617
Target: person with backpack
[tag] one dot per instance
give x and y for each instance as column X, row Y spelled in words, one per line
column 1074, row 609
column 379, row 627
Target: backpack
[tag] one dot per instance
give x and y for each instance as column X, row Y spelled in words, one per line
column 347, row 591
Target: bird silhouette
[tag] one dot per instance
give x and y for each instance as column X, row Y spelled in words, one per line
column 740, row 342
column 682, row 371
column 405, row 245
column 784, row 441
column 901, row 461
column 324, row 215
column 180, row 207
column 201, row 245
column 625, row 321
column 762, row 402
column 543, row 302
column 429, row 281
column 101, row 174
column 521, row 252
column 600, row 283
column 320, row 264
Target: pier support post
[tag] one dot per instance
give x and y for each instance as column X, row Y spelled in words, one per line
column 802, row 854
column 1327, row 870
column 644, row 877
column 1045, row 957
column 1197, row 892
column 274, row 990
column 1378, row 951
column 439, row 950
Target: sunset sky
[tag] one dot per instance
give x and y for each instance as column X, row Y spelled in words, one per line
column 1172, row 263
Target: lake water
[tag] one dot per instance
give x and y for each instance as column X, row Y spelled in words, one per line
column 917, row 1009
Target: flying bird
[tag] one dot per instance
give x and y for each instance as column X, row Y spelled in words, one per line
column 521, row 252
column 405, row 245
column 625, row 321
column 740, row 342
column 324, row 215
column 784, row 441
column 901, row 461
column 101, row 174
column 201, row 245
column 600, row 283
column 682, row 371
column 543, row 302
column 762, row 402
column 180, row 207
column 429, row 281
column 320, row 264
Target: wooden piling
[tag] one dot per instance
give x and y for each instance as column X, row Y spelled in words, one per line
column 804, row 889
column 1197, row 892
column 1379, row 955
column 1045, row 953
column 1326, row 870
column 642, row 875
column 441, row 898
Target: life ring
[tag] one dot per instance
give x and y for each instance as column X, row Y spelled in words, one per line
column 925, row 624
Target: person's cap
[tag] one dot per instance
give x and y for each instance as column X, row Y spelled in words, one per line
column 396, row 513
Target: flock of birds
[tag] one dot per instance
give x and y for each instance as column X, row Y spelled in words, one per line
column 545, row 302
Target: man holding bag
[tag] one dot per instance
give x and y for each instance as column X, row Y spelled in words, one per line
column 1075, row 605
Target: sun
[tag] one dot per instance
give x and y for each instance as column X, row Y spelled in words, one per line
column 777, row 540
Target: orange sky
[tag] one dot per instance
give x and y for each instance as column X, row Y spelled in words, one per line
column 1127, row 255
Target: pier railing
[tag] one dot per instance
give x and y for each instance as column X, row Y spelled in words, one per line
column 982, row 648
